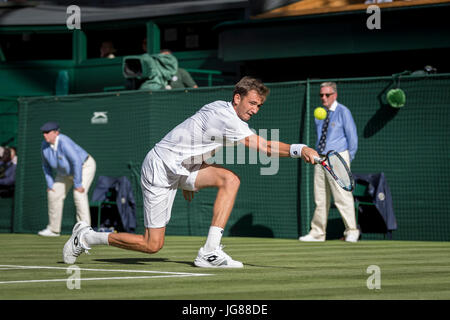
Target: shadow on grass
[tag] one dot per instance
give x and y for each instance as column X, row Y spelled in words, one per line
column 266, row 266
column 141, row 261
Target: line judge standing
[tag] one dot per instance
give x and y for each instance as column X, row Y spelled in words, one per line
column 65, row 164
column 336, row 132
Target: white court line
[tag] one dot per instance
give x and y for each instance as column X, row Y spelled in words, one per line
column 167, row 274
column 111, row 270
column 87, row 279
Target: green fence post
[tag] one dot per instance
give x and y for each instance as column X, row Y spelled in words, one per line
column 153, row 38
column 307, row 167
column 79, row 46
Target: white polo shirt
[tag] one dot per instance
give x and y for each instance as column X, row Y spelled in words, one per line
column 194, row 140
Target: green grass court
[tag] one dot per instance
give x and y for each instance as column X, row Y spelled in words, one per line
column 31, row 268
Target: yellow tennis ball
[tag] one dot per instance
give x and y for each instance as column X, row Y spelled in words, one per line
column 320, row 113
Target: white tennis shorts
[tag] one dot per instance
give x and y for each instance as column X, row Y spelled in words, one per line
column 159, row 187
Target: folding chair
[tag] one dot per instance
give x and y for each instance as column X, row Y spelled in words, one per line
column 363, row 198
column 99, row 205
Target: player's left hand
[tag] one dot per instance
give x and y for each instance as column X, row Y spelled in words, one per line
column 308, row 155
column 188, row 195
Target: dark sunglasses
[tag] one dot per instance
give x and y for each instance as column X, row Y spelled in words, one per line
column 326, row 94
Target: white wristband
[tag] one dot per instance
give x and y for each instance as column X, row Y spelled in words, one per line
column 296, row 150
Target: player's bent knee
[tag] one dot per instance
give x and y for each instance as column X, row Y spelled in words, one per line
column 153, row 247
column 232, row 181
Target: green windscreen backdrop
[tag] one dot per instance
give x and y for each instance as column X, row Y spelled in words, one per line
column 275, row 198
column 8, row 121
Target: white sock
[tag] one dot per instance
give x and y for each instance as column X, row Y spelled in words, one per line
column 213, row 240
column 92, row 238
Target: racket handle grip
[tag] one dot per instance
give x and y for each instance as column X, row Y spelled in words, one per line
column 318, row 160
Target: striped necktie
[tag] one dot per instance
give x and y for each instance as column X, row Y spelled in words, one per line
column 323, row 137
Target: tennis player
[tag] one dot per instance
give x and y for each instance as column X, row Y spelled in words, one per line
column 178, row 162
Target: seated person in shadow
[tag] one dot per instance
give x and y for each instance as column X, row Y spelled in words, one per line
column 182, row 79
column 107, row 50
column 8, row 164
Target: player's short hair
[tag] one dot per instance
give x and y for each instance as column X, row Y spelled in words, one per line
column 248, row 83
column 330, row 84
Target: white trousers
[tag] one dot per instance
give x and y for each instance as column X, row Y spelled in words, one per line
column 61, row 187
column 325, row 187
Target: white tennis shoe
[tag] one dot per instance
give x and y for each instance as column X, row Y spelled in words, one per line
column 48, row 233
column 75, row 246
column 310, row 238
column 352, row 238
column 216, row 259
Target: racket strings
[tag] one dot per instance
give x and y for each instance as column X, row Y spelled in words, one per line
column 340, row 170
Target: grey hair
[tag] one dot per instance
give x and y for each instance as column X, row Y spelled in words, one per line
column 330, row 84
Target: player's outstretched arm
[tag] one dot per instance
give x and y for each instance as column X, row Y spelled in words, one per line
column 273, row 148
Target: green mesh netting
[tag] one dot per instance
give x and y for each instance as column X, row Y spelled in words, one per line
column 405, row 144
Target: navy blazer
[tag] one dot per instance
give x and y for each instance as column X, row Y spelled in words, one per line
column 8, row 174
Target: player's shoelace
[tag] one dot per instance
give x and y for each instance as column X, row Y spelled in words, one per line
column 223, row 256
column 79, row 249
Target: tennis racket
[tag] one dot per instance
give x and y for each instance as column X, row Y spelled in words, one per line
column 338, row 169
